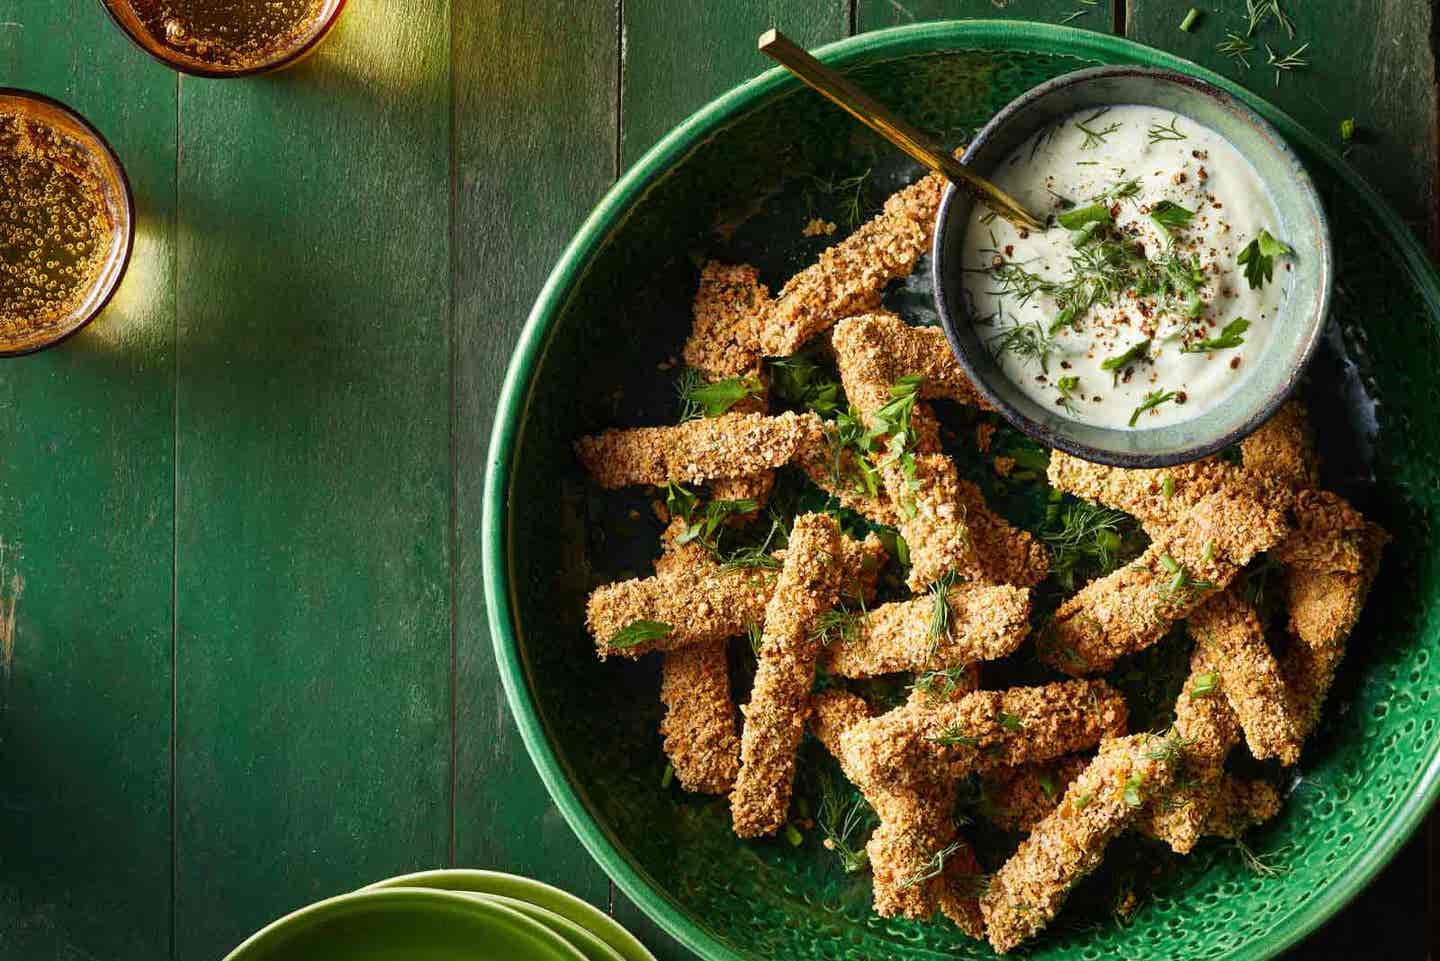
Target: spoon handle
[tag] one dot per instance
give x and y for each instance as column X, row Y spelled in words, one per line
column 878, row 118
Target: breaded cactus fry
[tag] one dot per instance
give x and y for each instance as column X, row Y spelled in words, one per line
column 1283, row 448
column 725, row 334
column 984, row 622
column 932, row 519
column 988, row 729
column 1018, row 798
column 850, row 276
column 701, row 601
column 1229, row 631
column 1204, row 720
column 1132, row 608
column 1239, row 806
column 1028, row 891
column 1007, row 554
column 731, row 445
column 808, row 585
column 916, row 824
column 699, row 725
column 873, row 351
column 1330, row 535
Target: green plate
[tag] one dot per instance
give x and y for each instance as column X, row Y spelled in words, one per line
column 562, row 904
column 581, row 940
column 737, row 181
column 415, row 924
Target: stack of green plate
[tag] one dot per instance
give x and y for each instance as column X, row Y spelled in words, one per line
column 447, row 916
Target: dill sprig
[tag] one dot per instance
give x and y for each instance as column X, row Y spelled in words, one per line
column 954, row 736
column 638, row 632
column 941, row 683
column 1293, row 60
column 851, row 193
column 1159, row 133
column 841, row 818
column 839, row 623
column 1236, row 47
column 1029, row 342
column 1271, row 864
column 1094, row 137
column 1088, row 540
column 1258, row 11
column 753, row 556
column 931, row 868
column 939, row 628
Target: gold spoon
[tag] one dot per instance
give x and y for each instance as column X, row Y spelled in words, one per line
column 878, row 118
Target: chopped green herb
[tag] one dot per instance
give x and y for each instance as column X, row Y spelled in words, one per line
column 1189, row 20
column 713, row 399
column 1230, row 336
column 1134, row 784
column 1236, row 48
column 1010, row 722
column 793, row 836
column 1169, row 215
column 840, row 818
column 1068, row 386
column 801, row 381
column 1152, row 400
column 1167, row 487
column 639, row 632
column 1083, row 801
column 941, row 683
column 1094, row 137
column 1087, row 540
column 955, row 736
column 1080, row 216
column 1347, row 130
column 1029, row 342
column 1117, row 364
column 1048, row 785
column 939, row 628
column 932, row 867
column 1159, row 133
column 1258, row 258
column 668, row 776
column 756, row 635
column 1205, row 684
column 1293, row 60
column 680, row 502
column 839, row 623
column 1182, row 583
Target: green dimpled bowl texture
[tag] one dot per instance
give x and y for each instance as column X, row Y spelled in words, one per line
column 737, row 181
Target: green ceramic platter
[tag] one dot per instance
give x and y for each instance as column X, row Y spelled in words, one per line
column 737, row 181
column 417, row 924
column 570, row 911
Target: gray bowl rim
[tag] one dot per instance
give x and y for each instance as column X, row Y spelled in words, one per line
column 952, row 310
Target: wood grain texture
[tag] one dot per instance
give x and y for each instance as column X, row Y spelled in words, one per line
column 86, row 517
column 875, row 14
column 1373, row 60
column 314, row 711
column 680, row 54
column 534, row 151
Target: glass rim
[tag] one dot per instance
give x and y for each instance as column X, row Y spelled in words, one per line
column 287, row 59
column 109, row 156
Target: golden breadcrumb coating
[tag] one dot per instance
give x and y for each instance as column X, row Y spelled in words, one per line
column 1204, row 720
column 1142, row 493
column 699, row 724
column 1028, row 891
column 703, row 602
column 1231, row 632
column 731, row 445
column 873, row 351
column 1018, row 798
column 1284, row 448
column 1330, row 535
column 932, row 519
column 916, row 821
column 986, row 622
column 1007, row 554
column 1323, row 610
column 725, row 334
column 1132, row 608
column 850, row 276
column 1239, row 806
column 988, row 729
column 808, row 585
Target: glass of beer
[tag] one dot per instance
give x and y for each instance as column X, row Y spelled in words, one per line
column 226, row 38
column 67, row 222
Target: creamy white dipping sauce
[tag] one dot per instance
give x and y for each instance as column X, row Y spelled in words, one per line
column 1075, row 302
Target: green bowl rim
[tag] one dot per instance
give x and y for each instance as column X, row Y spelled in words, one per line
column 534, row 342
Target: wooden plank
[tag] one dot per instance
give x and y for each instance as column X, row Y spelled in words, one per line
column 1373, row 60
column 86, row 518
column 313, row 573
column 679, row 54
column 875, row 14
column 535, row 149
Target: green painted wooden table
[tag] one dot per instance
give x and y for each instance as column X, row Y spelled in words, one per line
column 240, row 513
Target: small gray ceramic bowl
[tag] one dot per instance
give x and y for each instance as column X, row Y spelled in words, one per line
column 1297, row 329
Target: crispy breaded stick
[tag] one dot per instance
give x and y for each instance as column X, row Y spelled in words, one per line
column 703, row 602
column 1239, row 806
column 1132, row 608
column 1283, row 448
column 985, row 622
column 989, row 729
column 724, row 343
column 932, row 519
column 731, row 445
column 699, row 723
column 1007, row 554
column 1323, row 610
column 1017, row 798
column 808, row 585
column 1028, row 891
column 725, row 333
column 1230, row 632
column 916, row 822
column 873, row 351
column 1330, row 535
column 850, row 276
column 1203, row 718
